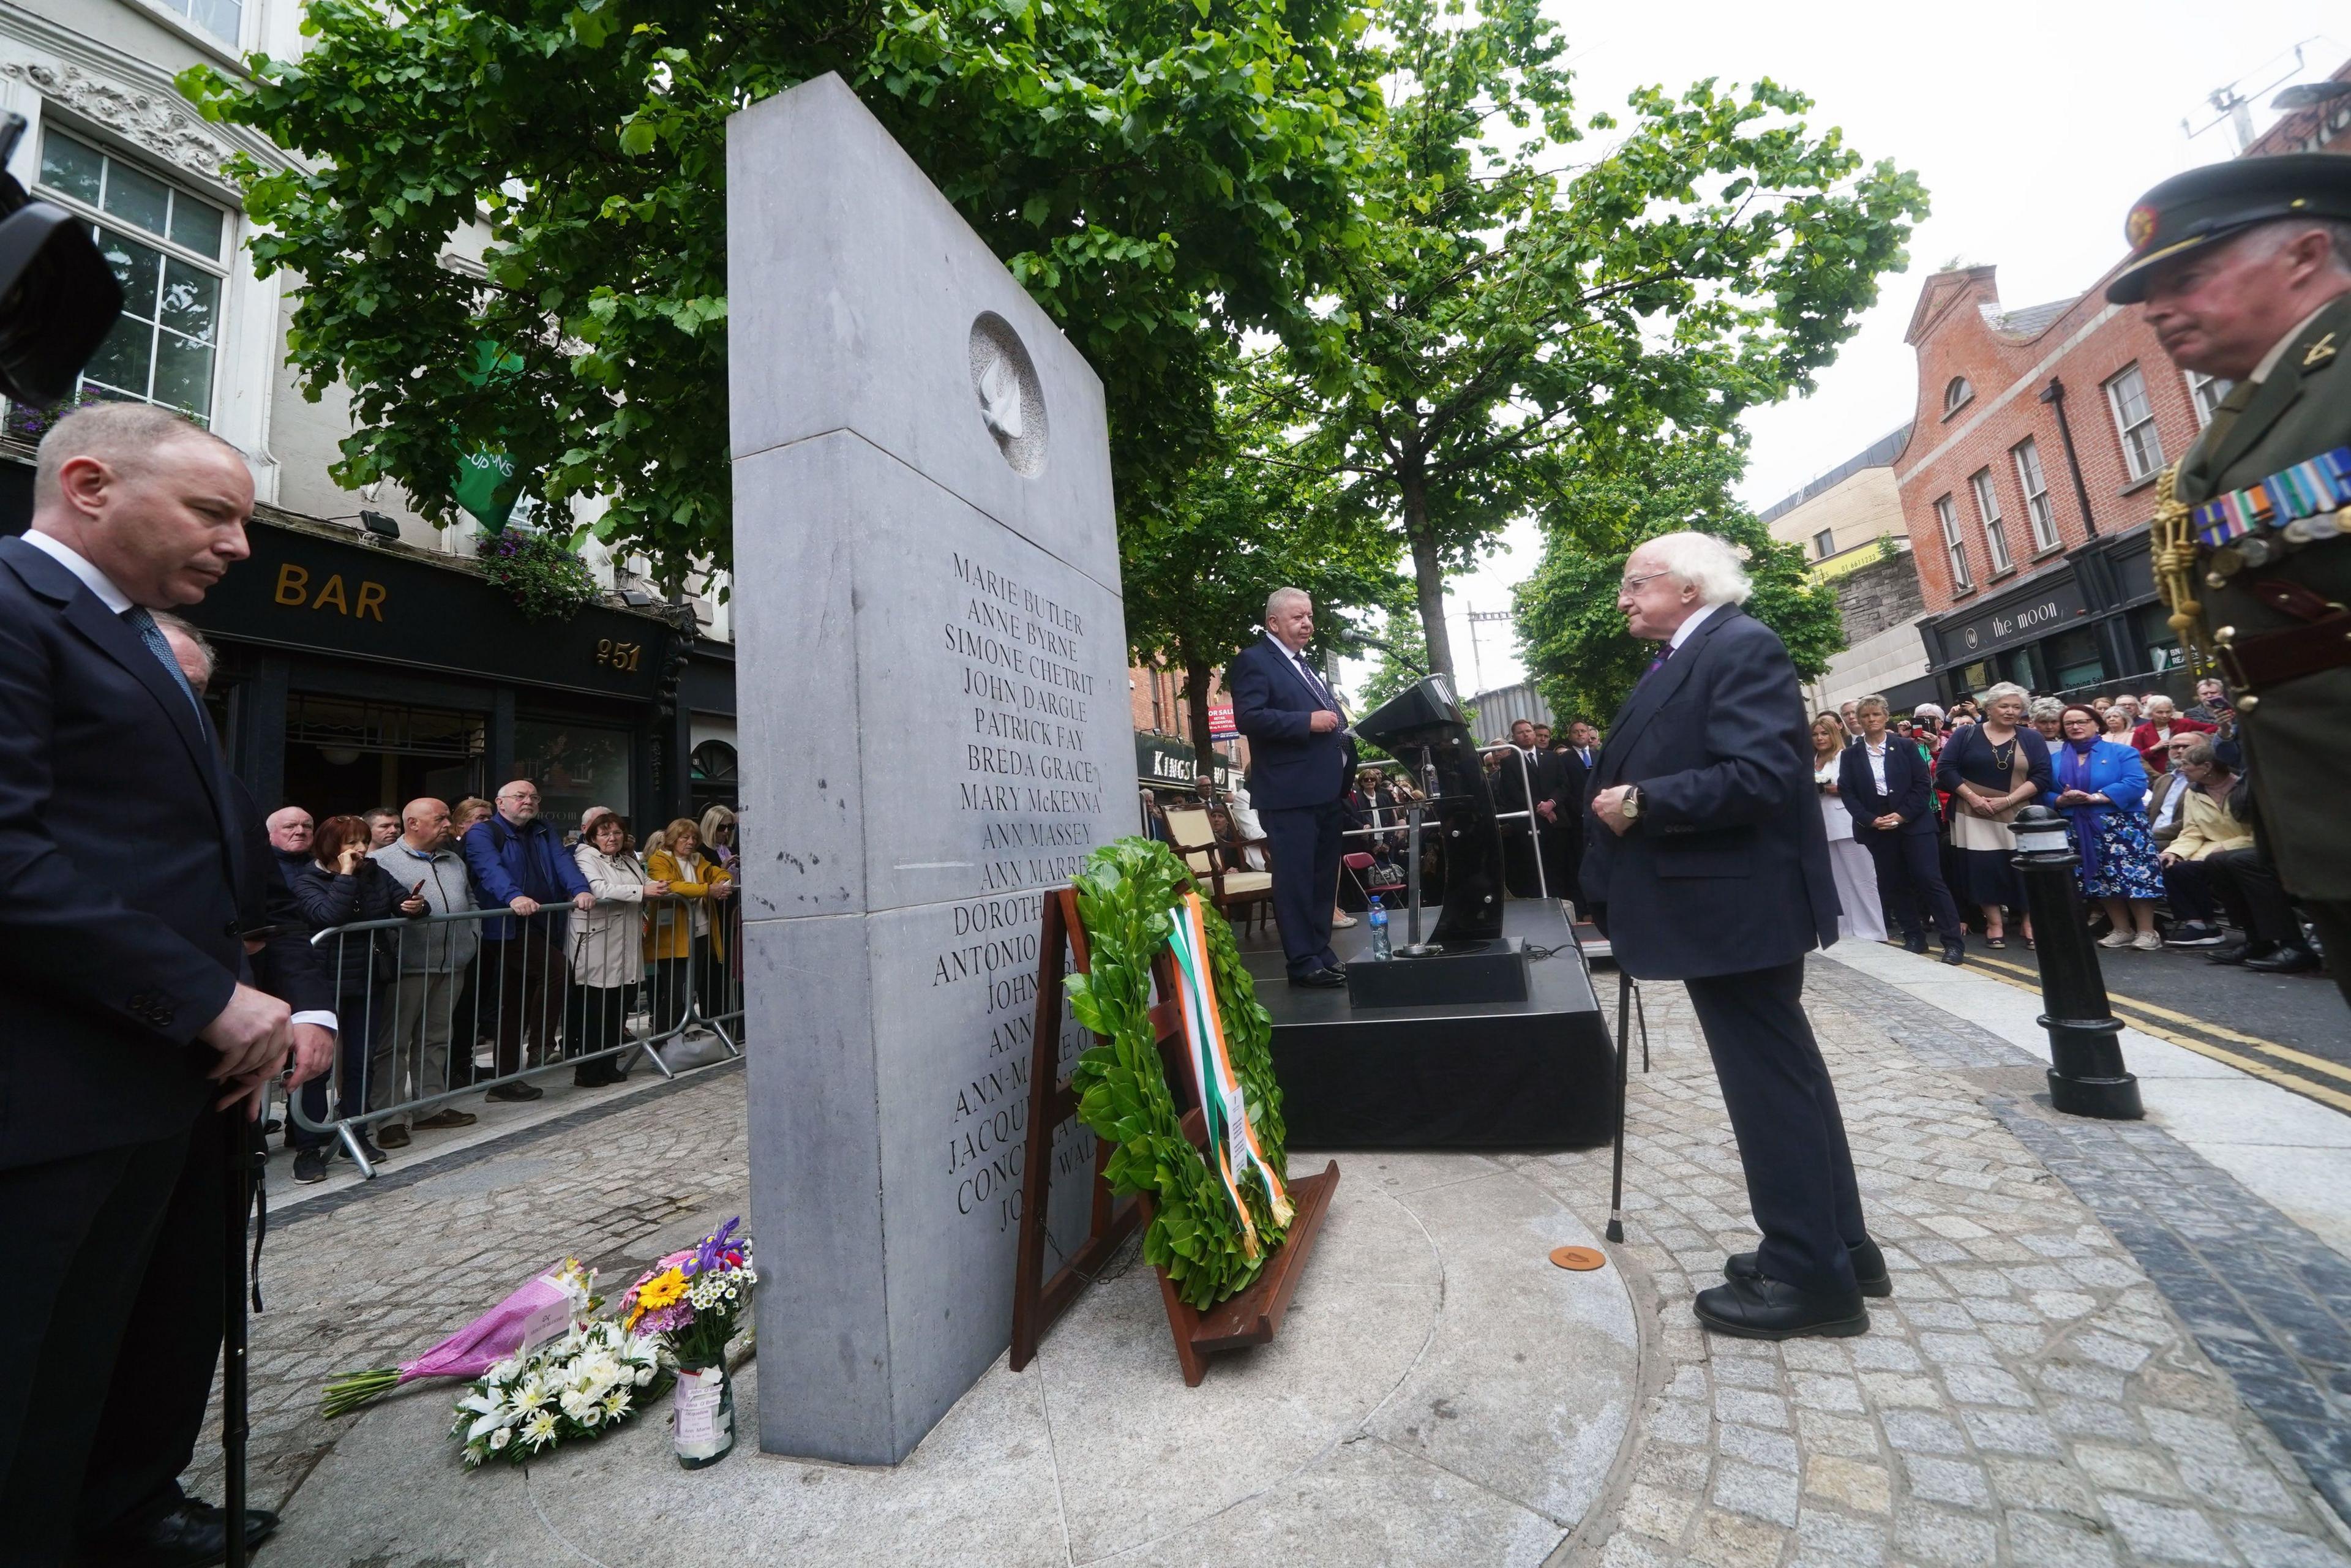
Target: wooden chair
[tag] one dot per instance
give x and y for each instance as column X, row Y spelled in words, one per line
column 1196, row 844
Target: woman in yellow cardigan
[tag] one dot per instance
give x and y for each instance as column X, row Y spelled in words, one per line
column 684, row 931
column 2206, row 827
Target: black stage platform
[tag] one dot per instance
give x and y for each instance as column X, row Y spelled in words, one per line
column 1536, row 1074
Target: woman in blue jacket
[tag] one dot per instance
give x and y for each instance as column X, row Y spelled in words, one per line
column 2102, row 789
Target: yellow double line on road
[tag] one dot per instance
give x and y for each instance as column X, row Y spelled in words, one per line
column 2145, row 1016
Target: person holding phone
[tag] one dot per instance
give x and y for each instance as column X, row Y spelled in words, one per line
column 608, row 948
column 341, row 886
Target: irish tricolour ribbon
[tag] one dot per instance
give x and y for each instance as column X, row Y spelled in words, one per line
column 1232, row 1142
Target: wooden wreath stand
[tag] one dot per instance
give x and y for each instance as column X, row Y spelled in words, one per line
column 1254, row 1315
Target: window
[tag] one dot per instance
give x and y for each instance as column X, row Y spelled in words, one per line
column 2036, row 496
column 2074, row 660
column 165, row 248
column 2135, row 422
column 1987, row 513
column 1948, row 516
column 1957, row 395
column 224, row 19
column 575, row 765
column 1825, row 544
column 2205, row 393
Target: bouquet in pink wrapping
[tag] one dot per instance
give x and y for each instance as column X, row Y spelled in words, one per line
column 552, row 1304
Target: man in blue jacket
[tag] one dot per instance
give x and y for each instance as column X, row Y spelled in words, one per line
column 1301, row 761
column 1709, row 865
column 517, row 861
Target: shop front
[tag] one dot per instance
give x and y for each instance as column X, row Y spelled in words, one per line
column 2087, row 624
column 1169, row 765
column 354, row 675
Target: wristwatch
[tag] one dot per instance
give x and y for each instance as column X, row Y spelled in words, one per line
column 1629, row 808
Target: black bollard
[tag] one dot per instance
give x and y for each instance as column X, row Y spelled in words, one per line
column 2086, row 1077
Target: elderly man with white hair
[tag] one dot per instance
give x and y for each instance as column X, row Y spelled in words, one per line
column 1301, row 761
column 1710, row 866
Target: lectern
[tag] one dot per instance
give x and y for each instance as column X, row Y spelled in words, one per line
column 1422, row 727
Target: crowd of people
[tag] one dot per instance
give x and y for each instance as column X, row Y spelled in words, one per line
column 531, row 945
column 2156, row 801
column 1375, row 821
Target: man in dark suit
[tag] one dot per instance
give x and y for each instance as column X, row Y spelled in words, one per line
column 1890, row 790
column 1301, row 760
column 119, row 946
column 1515, row 788
column 1709, row 865
column 1571, row 780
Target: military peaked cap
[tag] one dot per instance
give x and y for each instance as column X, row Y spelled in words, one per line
column 2212, row 204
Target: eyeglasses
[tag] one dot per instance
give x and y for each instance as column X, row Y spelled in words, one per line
column 1630, row 583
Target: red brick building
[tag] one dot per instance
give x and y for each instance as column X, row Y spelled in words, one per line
column 2030, row 473
column 1158, row 707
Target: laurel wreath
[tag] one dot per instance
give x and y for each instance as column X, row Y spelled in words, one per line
column 1124, row 894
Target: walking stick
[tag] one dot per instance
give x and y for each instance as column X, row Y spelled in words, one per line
column 242, row 1139
column 1624, row 1050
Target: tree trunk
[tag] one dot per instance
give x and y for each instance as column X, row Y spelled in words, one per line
column 1197, row 674
column 1427, row 570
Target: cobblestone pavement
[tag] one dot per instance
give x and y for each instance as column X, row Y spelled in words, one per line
column 373, row 1275
column 2028, row 1397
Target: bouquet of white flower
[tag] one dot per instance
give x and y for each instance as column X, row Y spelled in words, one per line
column 582, row 1384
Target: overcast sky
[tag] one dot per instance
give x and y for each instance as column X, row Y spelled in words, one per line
column 2033, row 126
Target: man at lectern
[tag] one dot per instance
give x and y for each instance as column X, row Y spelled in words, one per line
column 1709, row 865
column 1302, row 759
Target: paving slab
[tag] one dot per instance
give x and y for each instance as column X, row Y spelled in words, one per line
column 1440, row 1393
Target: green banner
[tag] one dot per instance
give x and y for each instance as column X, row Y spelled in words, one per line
column 486, row 485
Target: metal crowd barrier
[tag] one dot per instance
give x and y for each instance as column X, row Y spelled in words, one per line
column 421, row 1001
column 1534, row 818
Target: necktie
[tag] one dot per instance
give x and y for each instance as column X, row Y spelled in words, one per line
column 1659, row 661
column 139, row 621
column 1315, row 682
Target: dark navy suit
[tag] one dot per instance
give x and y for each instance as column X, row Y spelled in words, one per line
column 119, row 851
column 1908, row 857
column 1724, row 883
column 1297, row 784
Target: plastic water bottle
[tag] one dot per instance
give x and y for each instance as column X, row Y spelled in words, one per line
column 1379, row 918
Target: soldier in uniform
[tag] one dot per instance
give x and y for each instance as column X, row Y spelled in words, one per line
column 2243, row 271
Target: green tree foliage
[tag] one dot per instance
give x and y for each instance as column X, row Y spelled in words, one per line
column 1197, row 566
column 1512, row 309
column 1404, row 660
column 1573, row 633
column 1158, row 176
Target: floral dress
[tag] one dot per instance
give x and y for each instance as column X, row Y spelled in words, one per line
column 2118, row 853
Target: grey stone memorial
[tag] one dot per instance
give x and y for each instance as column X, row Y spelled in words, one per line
column 932, row 663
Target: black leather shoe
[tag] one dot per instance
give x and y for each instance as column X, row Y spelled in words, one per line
column 1869, row 1267
column 2241, row 952
column 1955, row 951
column 1324, row 979
column 1764, row 1308
column 192, row 1536
column 1915, row 941
column 2291, row 958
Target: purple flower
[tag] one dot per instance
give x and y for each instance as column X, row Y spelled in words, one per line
column 705, row 1257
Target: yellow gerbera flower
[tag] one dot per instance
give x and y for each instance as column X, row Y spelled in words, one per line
column 661, row 1291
